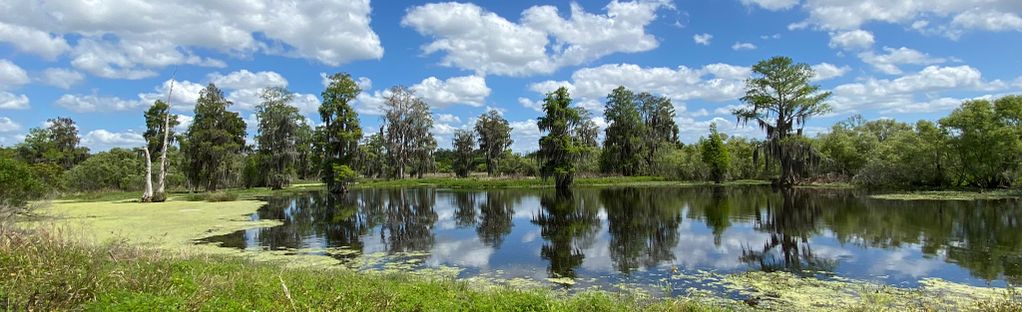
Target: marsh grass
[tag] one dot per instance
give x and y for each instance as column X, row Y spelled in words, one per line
column 44, row 271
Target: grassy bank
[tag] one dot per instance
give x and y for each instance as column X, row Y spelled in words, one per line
column 44, row 272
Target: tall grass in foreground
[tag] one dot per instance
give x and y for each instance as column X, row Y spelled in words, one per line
column 43, row 271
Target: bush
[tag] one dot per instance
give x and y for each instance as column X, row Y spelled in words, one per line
column 218, row 196
column 17, row 186
column 117, row 169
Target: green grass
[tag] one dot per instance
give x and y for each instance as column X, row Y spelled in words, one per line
column 42, row 272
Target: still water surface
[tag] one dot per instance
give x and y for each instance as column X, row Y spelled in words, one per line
column 638, row 236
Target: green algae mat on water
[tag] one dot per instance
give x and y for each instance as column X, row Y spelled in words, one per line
column 169, row 225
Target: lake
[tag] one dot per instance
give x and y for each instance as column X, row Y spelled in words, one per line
column 648, row 236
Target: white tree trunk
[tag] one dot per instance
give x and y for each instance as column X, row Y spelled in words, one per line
column 162, row 181
column 147, row 194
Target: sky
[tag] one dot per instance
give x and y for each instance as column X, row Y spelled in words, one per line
column 103, row 63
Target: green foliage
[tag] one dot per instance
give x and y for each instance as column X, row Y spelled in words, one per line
column 306, row 165
column 253, row 174
column 372, row 157
column 987, row 138
column 339, row 135
column 279, row 124
column 661, row 132
column 715, row 155
column 155, row 118
column 514, row 164
column 780, row 99
column 212, row 141
column 464, row 153
column 52, row 150
column 625, row 131
column 344, row 175
column 741, row 151
column 117, row 169
column 494, row 138
column 19, row 185
column 217, row 196
column 559, row 149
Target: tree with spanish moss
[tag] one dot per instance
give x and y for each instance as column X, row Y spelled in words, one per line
column 494, row 138
column 339, row 135
column 659, row 129
column 279, row 124
column 407, row 125
column 559, row 149
column 214, row 136
column 780, row 98
column 464, row 152
column 622, row 143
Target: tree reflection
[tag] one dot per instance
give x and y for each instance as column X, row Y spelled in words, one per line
column 497, row 212
column 643, row 226
column 718, row 214
column 409, row 220
column 790, row 225
column 568, row 224
column 465, row 208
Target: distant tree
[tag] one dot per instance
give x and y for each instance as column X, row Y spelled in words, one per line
column 407, row 124
column 987, row 138
column 341, row 132
column 586, row 133
column 57, row 144
column 279, row 123
column 372, row 156
column 623, row 139
column 306, row 165
column 780, row 99
column 559, row 149
column 657, row 113
column 464, row 152
column 215, row 137
column 715, row 155
column 494, row 138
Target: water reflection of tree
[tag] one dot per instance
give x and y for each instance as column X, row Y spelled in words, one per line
column 409, row 221
column 790, row 223
column 643, row 226
column 496, row 212
column 465, row 208
column 568, row 223
column 311, row 220
column 982, row 237
column 718, row 214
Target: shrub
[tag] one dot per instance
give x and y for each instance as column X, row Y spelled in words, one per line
column 17, row 186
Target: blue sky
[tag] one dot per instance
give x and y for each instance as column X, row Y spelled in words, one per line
column 103, row 64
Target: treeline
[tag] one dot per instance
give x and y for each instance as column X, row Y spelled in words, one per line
column 978, row 145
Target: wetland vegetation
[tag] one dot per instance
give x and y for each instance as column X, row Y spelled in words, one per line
column 870, row 215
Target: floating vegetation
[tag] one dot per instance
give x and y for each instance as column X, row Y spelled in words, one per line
column 949, row 195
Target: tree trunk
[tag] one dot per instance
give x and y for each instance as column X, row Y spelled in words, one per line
column 162, row 180
column 147, row 193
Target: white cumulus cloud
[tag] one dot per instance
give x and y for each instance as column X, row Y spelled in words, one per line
column 473, row 38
